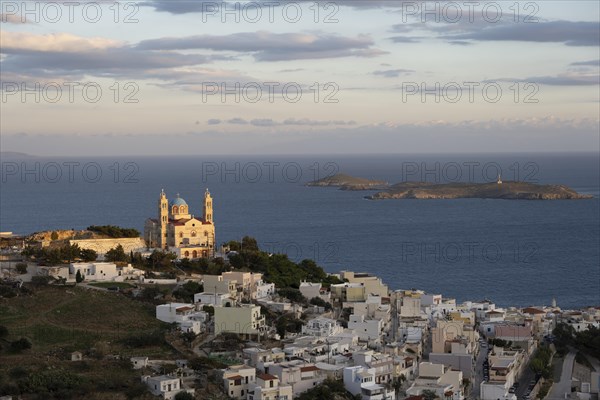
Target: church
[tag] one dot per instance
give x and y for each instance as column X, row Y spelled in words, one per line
column 178, row 231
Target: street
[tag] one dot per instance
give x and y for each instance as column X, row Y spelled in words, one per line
column 478, row 372
column 559, row 389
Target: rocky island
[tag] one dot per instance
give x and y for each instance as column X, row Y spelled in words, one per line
column 509, row 190
column 493, row 190
column 347, row 182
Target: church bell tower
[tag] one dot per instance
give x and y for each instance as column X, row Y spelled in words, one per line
column 163, row 217
column 208, row 208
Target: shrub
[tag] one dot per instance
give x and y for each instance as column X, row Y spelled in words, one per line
column 184, row 396
column 20, row 344
column 155, row 338
column 21, row 268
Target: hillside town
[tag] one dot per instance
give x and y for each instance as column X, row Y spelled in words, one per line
column 249, row 325
column 381, row 344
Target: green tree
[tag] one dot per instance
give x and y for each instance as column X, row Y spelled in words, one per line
column 160, row 260
column 150, row 292
column 21, row 268
column 319, row 302
column 116, row 255
column 564, row 336
column 79, row 277
column 293, row 295
column 114, row 231
column 184, row 396
column 249, row 244
column 69, row 253
column 20, row 344
column 88, row 255
column 54, row 235
column 38, row 281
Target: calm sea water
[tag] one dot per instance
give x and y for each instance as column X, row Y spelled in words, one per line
column 512, row 252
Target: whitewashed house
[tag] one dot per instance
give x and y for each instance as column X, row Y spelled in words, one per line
column 165, row 386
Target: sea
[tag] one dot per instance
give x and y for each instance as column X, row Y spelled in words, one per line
column 512, row 252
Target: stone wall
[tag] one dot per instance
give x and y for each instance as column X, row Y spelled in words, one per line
column 101, row 246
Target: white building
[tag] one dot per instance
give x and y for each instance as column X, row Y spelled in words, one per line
column 268, row 388
column 322, row 327
column 238, row 380
column 184, row 315
column 243, row 320
column 139, row 362
column 381, row 364
column 220, row 284
column 310, row 290
column 213, row 299
column 95, row 271
column 298, row 374
column 165, row 386
column 366, row 329
column 264, row 290
column 103, row 271
column 446, row 383
column 360, row 380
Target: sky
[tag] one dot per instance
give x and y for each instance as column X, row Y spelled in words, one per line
column 298, row 77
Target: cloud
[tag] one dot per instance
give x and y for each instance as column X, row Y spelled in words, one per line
column 12, row 19
column 268, row 46
column 110, row 62
column 263, row 122
column 205, row 6
column 550, row 133
column 565, row 79
column 393, row 73
column 33, row 57
column 269, row 122
column 214, row 121
column 311, row 122
column 184, row 7
column 237, row 121
column 406, row 39
column 55, row 42
column 488, row 26
column 568, row 32
column 592, row 63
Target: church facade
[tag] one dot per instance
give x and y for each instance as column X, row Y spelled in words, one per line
column 178, row 231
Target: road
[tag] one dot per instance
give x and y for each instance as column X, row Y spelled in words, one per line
column 559, row 389
column 527, row 375
column 483, row 351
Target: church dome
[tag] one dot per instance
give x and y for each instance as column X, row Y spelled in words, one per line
column 178, row 202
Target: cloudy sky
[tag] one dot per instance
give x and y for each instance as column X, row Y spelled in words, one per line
column 197, row 77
